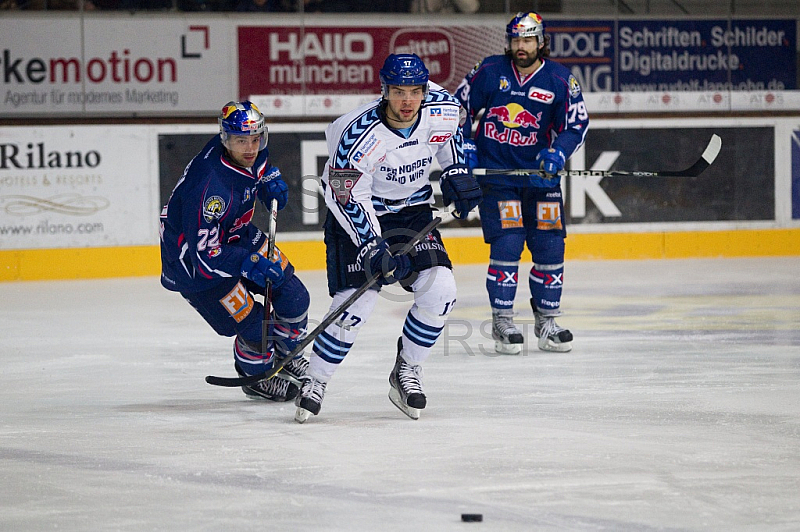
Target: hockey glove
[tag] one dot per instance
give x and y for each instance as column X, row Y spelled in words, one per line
column 271, row 186
column 551, row 161
column 460, row 189
column 470, row 153
column 260, row 270
column 374, row 256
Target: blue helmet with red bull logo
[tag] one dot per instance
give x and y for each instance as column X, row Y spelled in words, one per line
column 525, row 25
column 403, row 69
column 242, row 118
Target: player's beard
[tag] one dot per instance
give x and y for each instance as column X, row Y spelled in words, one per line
column 526, row 61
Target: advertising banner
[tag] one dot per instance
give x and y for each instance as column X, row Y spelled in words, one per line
column 337, row 60
column 739, row 186
column 72, row 187
column 141, row 65
column 707, row 55
column 178, row 64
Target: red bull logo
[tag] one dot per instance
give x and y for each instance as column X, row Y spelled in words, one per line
column 509, row 136
column 514, row 115
column 227, row 110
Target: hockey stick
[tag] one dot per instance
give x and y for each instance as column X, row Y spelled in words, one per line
column 332, row 317
column 271, row 229
column 705, row 160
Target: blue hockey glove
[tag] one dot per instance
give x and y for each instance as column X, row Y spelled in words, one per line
column 271, row 186
column 260, row 270
column 470, row 153
column 551, row 161
column 460, row 189
column 374, row 256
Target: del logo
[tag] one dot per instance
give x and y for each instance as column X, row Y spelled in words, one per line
column 436, row 112
column 439, row 138
column 357, row 156
column 541, row 95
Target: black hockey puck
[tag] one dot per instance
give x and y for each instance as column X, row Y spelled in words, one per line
column 472, row 518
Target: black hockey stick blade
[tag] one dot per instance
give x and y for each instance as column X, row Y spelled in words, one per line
column 706, row 159
column 232, row 382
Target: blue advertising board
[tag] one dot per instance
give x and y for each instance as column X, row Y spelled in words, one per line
column 678, row 55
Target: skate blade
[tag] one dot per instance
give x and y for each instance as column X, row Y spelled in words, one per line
column 507, row 349
column 301, row 415
column 394, row 397
column 545, row 344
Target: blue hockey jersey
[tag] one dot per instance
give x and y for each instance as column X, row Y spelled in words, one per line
column 205, row 228
column 521, row 116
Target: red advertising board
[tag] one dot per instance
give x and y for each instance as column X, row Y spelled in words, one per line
column 346, row 60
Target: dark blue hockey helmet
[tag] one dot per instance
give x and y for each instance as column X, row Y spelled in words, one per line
column 242, row 118
column 403, row 69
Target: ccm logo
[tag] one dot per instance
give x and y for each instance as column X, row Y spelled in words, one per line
column 440, row 139
column 541, row 95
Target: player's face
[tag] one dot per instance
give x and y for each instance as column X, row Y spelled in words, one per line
column 525, row 51
column 404, row 103
column 243, row 149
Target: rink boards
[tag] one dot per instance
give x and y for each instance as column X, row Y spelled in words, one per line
column 82, row 201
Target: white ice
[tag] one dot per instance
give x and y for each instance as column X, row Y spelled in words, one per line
column 678, row 409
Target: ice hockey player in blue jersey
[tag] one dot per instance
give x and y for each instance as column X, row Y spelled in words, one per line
column 216, row 259
column 534, row 116
column 378, row 193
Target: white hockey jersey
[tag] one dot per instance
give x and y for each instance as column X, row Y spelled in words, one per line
column 373, row 170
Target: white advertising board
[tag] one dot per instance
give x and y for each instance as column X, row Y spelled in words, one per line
column 72, row 187
column 143, row 65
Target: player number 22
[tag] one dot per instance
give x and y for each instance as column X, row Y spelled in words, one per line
column 579, row 109
column 207, row 238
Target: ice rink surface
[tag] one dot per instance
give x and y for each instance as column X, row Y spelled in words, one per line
column 678, row 409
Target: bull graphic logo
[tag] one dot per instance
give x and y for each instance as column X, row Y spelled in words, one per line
column 514, row 115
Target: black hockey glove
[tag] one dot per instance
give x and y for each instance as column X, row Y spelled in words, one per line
column 460, row 189
column 374, row 256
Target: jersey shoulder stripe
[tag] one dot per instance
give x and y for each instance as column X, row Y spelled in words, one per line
column 354, row 131
column 438, row 97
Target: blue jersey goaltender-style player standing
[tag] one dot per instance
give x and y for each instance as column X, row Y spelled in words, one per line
column 378, row 193
column 217, row 259
column 534, row 116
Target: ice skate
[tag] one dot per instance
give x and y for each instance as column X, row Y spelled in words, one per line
column 507, row 337
column 309, row 400
column 551, row 336
column 294, row 370
column 406, row 386
column 279, row 390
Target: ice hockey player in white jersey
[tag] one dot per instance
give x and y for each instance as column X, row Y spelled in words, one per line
column 378, row 193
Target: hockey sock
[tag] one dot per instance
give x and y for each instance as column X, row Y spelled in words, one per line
column 249, row 359
column 501, row 283
column 419, row 336
column 434, row 299
column 546, row 282
column 290, row 304
column 333, row 344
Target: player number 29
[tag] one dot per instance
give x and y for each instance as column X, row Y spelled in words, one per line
column 577, row 109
